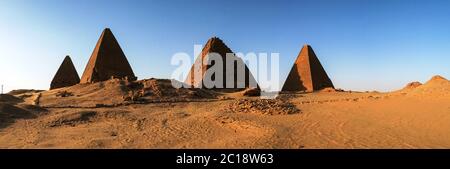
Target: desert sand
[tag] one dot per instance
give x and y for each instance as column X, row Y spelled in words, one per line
column 152, row 114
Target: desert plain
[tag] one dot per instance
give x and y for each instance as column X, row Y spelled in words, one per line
column 152, row 114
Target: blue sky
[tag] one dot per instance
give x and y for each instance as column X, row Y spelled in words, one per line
column 362, row 44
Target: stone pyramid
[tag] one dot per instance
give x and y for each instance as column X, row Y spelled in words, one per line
column 66, row 75
column 307, row 74
column 216, row 45
column 107, row 61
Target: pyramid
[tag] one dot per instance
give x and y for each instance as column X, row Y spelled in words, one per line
column 307, row 74
column 216, row 45
column 66, row 75
column 107, row 61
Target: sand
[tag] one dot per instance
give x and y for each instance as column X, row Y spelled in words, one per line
column 99, row 115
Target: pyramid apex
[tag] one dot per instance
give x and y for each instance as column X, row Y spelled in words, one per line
column 108, row 30
column 67, row 59
column 213, row 41
column 215, row 38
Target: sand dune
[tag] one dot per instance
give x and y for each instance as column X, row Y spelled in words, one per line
column 437, row 86
column 81, row 117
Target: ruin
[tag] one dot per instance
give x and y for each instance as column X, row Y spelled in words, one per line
column 307, row 74
column 214, row 45
column 66, row 75
column 107, row 61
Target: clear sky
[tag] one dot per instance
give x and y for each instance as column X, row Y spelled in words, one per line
column 362, row 44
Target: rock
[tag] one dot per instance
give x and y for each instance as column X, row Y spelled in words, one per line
column 64, row 93
column 263, row 106
column 251, row 92
column 328, row 90
column 412, row 85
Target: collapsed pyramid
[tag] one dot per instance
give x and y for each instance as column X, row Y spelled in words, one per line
column 107, row 61
column 196, row 77
column 307, row 74
column 66, row 75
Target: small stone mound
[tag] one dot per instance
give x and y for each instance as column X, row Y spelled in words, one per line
column 288, row 96
column 339, row 90
column 64, row 93
column 412, row 85
column 328, row 90
column 252, row 92
column 162, row 89
column 73, row 119
column 201, row 93
column 263, row 106
column 117, row 92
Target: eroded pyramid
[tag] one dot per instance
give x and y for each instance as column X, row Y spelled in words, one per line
column 196, row 77
column 107, row 61
column 307, row 74
column 66, row 75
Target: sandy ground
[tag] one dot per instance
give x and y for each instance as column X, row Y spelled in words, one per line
column 415, row 117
